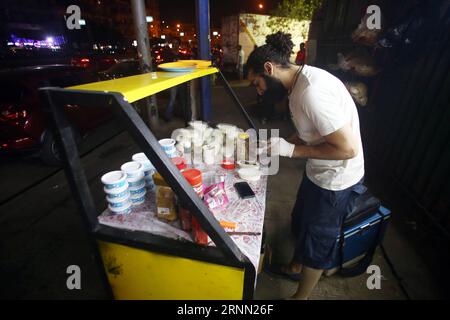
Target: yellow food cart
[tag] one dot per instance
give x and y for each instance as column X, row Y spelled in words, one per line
column 141, row 265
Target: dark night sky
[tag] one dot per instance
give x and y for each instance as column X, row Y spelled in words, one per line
column 183, row 11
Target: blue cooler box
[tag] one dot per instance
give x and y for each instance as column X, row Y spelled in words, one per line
column 363, row 231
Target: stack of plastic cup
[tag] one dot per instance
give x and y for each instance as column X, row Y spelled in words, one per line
column 169, row 148
column 148, row 168
column 117, row 195
column 136, row 182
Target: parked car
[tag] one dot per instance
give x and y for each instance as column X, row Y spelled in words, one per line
column 124, row 68
column 24, row 124
column 96, row 62
column 131, row 67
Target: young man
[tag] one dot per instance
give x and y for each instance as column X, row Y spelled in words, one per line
column 241, row 60
column 301, row 55
column 328, row 136
column 171, row 55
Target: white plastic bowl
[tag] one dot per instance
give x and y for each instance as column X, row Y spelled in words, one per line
column 142, row 159
column 247, row 165
column 119, row 200
column 133, row 169
column 114, row 180
column 123, row 210
column 250, row 174
column 136, row 185
column 116, row 190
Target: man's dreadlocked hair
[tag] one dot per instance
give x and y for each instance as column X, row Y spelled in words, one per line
column 278, row 49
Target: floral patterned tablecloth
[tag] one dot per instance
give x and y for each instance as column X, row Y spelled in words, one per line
column 247, row 214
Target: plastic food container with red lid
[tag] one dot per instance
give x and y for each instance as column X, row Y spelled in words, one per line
column 179, row 162
column 194, row 177
column 228, row 164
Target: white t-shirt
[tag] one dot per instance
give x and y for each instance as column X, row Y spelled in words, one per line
column 320, row 105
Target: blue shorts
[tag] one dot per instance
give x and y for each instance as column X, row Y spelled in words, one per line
column 317, row 219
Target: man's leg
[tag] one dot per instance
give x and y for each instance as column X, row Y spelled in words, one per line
column 310, row 277
column 169, row 110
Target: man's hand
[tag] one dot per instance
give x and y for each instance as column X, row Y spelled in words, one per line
column 279, row 146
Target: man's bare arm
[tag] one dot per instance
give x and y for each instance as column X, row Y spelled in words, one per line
column 339, row 145
column 295, row 139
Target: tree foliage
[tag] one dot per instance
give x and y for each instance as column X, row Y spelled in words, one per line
column 297, row 9
column 293, row 9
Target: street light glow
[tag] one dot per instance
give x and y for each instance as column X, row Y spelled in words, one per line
column 163, row 37
column 261, row 6
column 181, row 34
column 149, row 19
column 215, row 33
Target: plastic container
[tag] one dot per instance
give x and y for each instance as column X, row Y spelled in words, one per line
column 136, row 185
column 133, row 170
column 119, row 202
column 194, row 177
column 115, row 191
column 138, row 193
column 228, row 164
column 125, row 209
column 250, row 174
column 142, row 159
column 168, row 145
column 179, row 162
column 112, row 196
column 187, row 154
column 165, row 204
column 243, row 147
column 138, row 201
column 114, row 180
column 209, row 154
column 150, row 183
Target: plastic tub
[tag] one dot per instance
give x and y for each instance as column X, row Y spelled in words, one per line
column 114, row 197
column 114, row 180
column 168, row 145
column 228, row 164
column 136, row 185
column 122, row 210
column 250, row 174
column 119, row 202
column 138, row 193
column 138, row 201
column 142, row 159
column 124, row 202
column 179, row 162
column 116, row 191
column 137, row 178
column 133, row 169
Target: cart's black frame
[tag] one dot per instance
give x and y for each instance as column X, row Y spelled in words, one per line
column 225, row 253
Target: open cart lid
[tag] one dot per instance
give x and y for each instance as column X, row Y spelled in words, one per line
column 135, row 88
